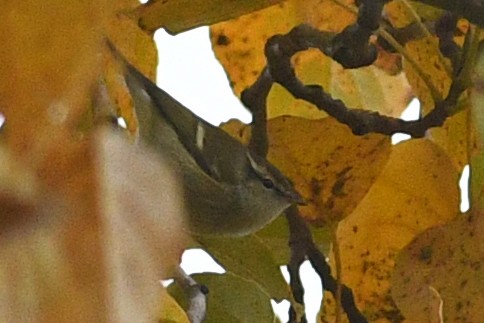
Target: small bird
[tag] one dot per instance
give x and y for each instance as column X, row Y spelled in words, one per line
column 228, row 190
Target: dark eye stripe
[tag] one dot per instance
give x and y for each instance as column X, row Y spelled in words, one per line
column 268, row 183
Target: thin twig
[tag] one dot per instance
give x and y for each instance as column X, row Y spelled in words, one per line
column 427, row 33
column 345, row 6
column 435, row 93
column 337, row 261
column 299, row 237
column 254, row 99
column 417, row 19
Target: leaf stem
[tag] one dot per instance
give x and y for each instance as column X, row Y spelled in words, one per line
column 469, row 55
column 415, row 16
column 337, row 261
column 427, row 33
column 345, row 6
column 436, row 95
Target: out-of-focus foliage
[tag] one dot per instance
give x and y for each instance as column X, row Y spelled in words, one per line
column 83, row 213
column 89, row 223
column 180, row 15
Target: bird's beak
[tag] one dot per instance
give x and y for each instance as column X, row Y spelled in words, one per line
column 297, row 198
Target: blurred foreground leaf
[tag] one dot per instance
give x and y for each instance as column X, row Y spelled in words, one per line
column 180, row 15
column 106, row 251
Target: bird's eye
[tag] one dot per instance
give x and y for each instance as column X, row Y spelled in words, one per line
column 268, row 183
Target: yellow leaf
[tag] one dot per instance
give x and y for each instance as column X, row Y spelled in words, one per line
column 180, row 15
column 135, row 44
column 73, row 220
column 19, row 187
column 238, row 130
column 331, row 168
column 425, row 52
column 449, row 259
column 454, row 137
column 399, row 12
column 171, row 311
column 416, row 190
column 239, row 46
column 50, row 60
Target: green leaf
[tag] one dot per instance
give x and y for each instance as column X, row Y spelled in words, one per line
column 251, row 258
column 171, row 311
column 276, row 238
column 231, row 299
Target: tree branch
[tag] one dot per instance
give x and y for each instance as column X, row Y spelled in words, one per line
column 254, row 99
column 302, row 245
column 280, row 49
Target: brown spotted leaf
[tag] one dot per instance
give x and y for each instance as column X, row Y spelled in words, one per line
column 331, row 168
column 436, row 70
column 448, row 259
column 416, row 190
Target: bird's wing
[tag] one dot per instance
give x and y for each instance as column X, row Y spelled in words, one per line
column 187, row 126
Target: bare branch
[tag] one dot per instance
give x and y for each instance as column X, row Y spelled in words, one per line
column 280, row 49
column 302, row 246
column 254, row 98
